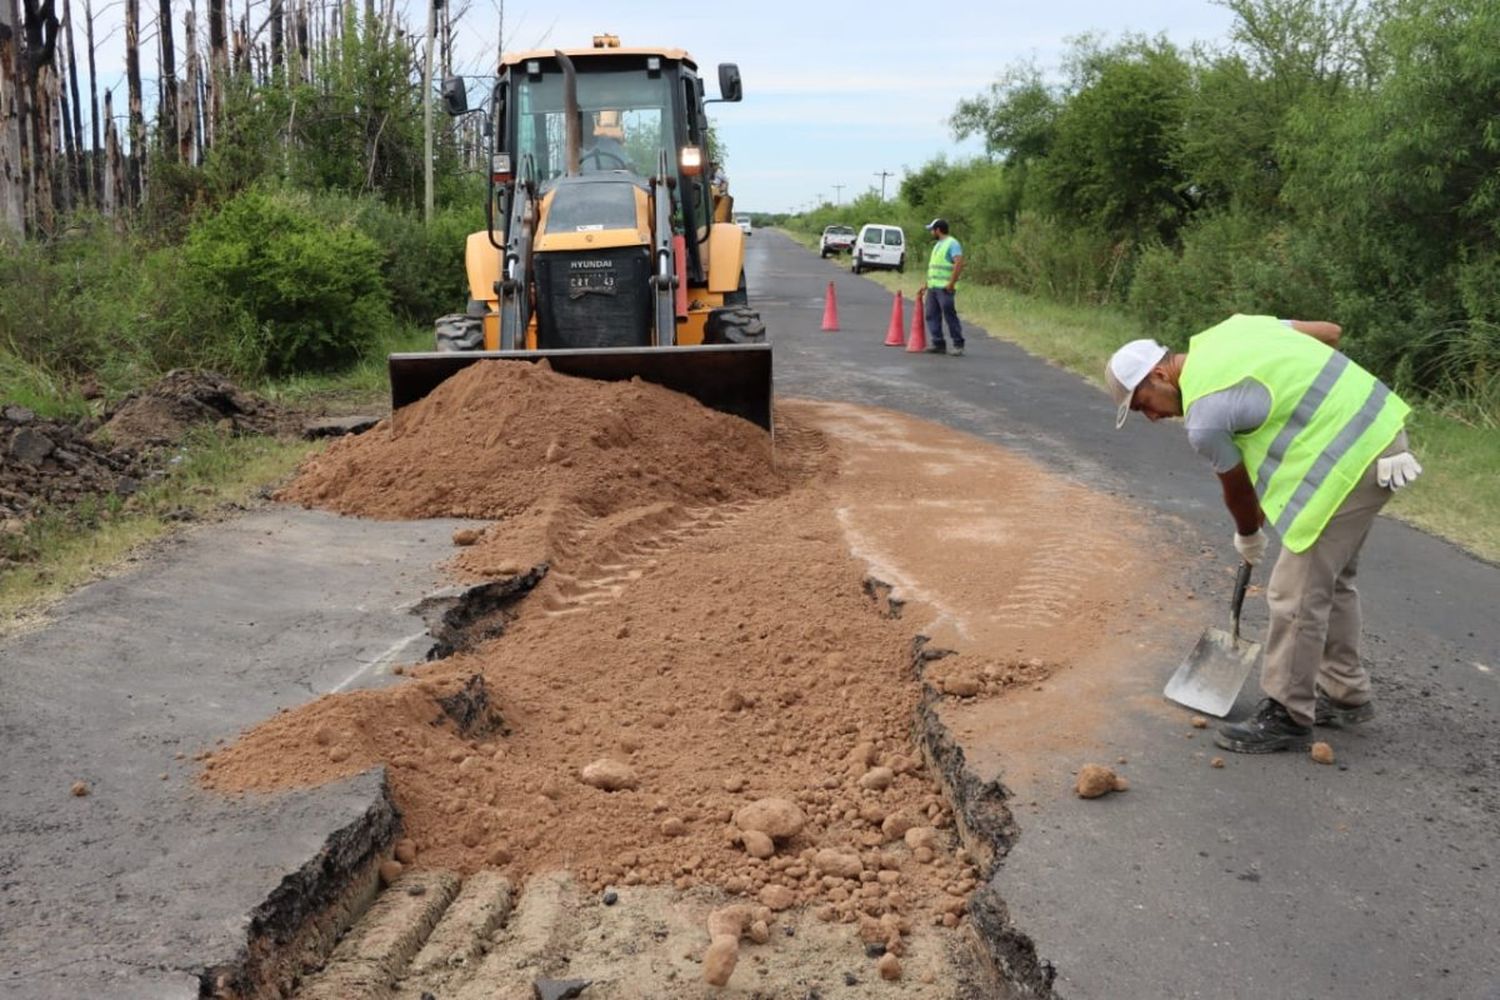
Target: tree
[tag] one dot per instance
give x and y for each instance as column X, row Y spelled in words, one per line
column 1017, row 116
column 1113, row 159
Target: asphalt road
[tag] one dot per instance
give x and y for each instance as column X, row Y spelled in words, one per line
column 133, row 889
column 1269, row 878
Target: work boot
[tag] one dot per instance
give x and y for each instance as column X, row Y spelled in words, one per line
column 1271, row 728
column 1341, row 713
column 958, row 351
column 937, row 348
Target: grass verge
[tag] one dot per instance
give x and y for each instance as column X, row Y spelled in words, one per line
column 59, row 550
column 1456, row 497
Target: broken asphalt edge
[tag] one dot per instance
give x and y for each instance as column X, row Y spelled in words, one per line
column 304, row 916
column 298, row 924
column 988, row 830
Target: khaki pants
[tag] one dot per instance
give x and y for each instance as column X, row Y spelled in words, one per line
column 1313, row 638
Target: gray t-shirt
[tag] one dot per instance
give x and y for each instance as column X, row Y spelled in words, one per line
column 1214, row 420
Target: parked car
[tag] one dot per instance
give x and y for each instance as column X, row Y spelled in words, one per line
column 879, row 245
column 836, row 239
column 743, row 221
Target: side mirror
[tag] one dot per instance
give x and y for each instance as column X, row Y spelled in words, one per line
column 455, row 96
column 730, row 88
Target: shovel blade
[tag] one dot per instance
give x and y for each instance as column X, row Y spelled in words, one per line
column 1209, row 680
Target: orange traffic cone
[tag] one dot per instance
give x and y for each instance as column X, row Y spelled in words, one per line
column 830, row 310
column 917, row 342
column 894, row 337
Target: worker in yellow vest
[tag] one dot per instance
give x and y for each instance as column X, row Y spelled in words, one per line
column 944, row 266
column 1305, row 441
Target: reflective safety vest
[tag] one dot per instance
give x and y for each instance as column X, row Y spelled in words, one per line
column 1329, row 418
column 939, row 267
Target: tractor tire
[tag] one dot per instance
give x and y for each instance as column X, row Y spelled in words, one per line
column 459, row 332
column 734, row 325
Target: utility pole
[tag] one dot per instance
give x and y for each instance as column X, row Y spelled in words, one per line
column 883, row 174
column 432, row 9
column 838, row 193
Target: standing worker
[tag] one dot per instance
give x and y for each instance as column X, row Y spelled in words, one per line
column 943, row 269
column 1308, row 441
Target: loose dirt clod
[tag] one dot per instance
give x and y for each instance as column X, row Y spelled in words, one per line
column 776, row 818
column 79, row 789
column 1322, row 752
column 1216, row 762
column 1199, row 722
column 1095, row 780
column 889, row 967
column 610, row 775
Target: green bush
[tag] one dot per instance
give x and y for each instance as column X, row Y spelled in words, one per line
column 1046, row 257
column 312, row 292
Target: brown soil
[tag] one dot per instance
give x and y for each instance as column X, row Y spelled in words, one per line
column 702, row 623
column 54, row 463
column 498, row 440
column 706, row 636
column 57, row 463
column 163, row 413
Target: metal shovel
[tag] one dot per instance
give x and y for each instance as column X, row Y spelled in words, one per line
column 1210, row 679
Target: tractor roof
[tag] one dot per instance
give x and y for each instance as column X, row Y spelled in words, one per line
column 601, row 52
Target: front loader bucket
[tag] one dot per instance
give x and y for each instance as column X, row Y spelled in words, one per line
column 731, row 378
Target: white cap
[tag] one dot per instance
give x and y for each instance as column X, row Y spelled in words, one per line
column 1127, row 369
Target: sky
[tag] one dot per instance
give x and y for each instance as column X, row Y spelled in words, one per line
column 835, row 93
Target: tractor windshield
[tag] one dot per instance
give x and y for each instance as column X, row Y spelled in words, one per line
column 626, row 121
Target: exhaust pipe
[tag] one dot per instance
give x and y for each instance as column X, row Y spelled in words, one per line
column 571, row 113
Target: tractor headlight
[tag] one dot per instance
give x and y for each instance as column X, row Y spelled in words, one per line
column 691, row 161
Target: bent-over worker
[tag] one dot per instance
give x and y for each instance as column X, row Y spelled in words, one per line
column 1308, row 442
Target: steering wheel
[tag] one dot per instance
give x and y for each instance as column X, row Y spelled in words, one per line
column 599, row 156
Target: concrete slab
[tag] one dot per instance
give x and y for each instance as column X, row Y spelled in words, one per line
column 135, row 888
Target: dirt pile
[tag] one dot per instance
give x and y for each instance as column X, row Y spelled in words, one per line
column 54, row 463
column 161, row 414
column 678, row 665
column 501, row 438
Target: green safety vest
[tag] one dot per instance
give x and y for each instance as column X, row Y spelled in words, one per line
column 939, row 267
column 1329, row 418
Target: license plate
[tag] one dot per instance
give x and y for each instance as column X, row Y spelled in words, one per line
column 601, row 282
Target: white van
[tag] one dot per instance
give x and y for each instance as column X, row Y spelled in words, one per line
column 879, row 245
column 743, row 221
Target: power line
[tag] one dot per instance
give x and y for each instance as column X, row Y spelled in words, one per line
column 883, row 174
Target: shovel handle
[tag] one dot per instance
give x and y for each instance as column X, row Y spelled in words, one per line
column 1241, row 581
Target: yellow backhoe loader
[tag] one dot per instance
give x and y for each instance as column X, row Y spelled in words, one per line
column 609, row 248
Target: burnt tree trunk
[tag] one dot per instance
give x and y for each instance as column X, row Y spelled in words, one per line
column 167, row 94
column 278, row 37
column 187, row 108
column 96, row 147
column 36, row 66
column 80, row 168
column 135, row 179
column 12, row 170
column 109, row 195
column 218, row 69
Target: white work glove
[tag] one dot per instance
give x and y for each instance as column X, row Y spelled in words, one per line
column 1398, row 470
column 1252, row 548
